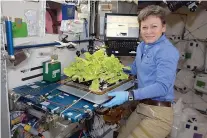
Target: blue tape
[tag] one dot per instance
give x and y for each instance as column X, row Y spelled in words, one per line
column 9, row 36
column 68, row 12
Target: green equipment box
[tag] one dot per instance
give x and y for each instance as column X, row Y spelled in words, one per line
column 52, row 71
column 19, row 31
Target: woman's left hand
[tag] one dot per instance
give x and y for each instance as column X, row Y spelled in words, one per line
column 119, row 97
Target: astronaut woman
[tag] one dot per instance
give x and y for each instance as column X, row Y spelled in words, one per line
column 155, row 66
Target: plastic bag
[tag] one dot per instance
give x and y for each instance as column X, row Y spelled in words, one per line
column 72, row 26
column 178, row 108
column 188, row 123
column 192, row 125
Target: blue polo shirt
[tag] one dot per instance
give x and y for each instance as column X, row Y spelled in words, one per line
column 155, row 66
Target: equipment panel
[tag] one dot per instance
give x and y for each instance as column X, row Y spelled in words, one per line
column 46, row 96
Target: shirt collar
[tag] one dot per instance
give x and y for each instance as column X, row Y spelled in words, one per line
column 162, row 38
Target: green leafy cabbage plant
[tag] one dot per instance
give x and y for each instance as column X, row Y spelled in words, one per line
column 97, row 68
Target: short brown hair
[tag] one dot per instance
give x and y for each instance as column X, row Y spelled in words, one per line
column 153, row 10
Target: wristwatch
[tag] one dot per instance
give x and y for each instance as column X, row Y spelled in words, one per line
column 131, row 95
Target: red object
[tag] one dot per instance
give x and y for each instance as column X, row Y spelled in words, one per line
column 80, row 134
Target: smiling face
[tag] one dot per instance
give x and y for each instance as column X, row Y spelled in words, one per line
column 151, row 29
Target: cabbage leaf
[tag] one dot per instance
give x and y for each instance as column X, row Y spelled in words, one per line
column 96, row 67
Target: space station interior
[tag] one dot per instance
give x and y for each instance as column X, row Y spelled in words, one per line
column 61, row 58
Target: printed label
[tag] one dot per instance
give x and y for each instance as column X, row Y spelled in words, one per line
column 55, row 72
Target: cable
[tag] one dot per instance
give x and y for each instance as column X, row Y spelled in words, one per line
column 131, row 8
column 196, row 29
column 59, row 104
column 65, row 106
column 190, row 32
column 203, row 99
column 75, row 102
